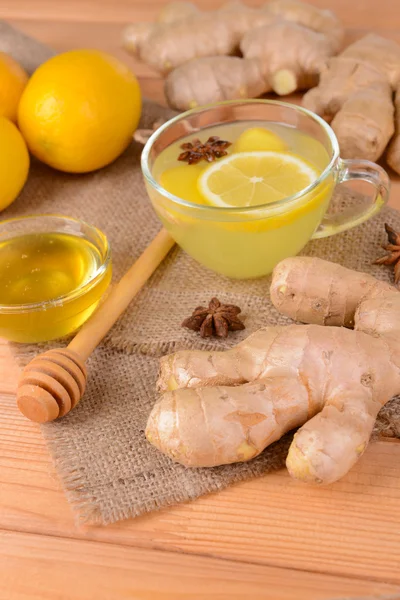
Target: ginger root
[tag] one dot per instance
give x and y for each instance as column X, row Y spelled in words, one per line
column 355, row 95
column 296, row 46
column 187, row 33
column 226, row 77
column 224, row 407
column 393, row 153
column 285, row 45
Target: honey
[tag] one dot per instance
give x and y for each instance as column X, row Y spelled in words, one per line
column 50, row 283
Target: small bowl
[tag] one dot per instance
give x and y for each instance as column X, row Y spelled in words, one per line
column 61, row 315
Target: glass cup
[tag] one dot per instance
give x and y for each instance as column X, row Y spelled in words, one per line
column 248, row 242
column 62, row 315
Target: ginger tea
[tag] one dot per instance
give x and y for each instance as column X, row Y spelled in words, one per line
column 251, row 178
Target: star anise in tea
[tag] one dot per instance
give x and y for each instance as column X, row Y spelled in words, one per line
column 393, row 248
column 195, row 151
column 216, row 319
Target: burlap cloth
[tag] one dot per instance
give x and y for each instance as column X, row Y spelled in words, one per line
column 107, row 468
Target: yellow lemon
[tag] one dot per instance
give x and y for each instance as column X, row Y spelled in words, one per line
column 14, row 162
column 258, row 139
column 255, row 178
column 13, row 80
column 79, row 110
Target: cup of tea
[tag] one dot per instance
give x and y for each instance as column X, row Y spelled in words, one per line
column 242, row 185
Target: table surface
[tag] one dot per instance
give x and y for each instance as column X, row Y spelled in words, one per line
column 270, row 538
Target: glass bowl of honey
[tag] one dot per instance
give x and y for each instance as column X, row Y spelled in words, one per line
column 54, row 271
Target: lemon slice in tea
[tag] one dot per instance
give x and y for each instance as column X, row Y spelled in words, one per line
column 255, row 178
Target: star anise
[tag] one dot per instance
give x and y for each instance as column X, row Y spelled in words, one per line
column 195, row 151
column 393, row 247
column 217, row 319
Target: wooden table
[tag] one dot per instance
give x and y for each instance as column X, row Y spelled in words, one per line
column 270, row 538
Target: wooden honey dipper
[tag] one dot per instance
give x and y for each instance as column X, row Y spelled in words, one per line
column 53, row 383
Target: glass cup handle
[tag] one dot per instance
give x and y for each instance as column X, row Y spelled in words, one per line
column 351, row 170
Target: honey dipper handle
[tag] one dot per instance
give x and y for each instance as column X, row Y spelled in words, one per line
column 131, row 283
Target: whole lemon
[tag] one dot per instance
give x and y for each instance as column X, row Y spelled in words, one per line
column 79, row 110
column 13, row 80
column 14, row 162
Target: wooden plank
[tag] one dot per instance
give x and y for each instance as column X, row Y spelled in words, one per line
column 351, row 528
column 9, row 371
column 359, row 14
column 153, row 88
column 276, row 520
column 37, row 567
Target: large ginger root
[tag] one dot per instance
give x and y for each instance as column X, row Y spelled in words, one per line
column 286, row 43
column 355, row 95
column 307, row 15
column 187, row 33
column 289, row 70
column 224, row 407
column 294, row 48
